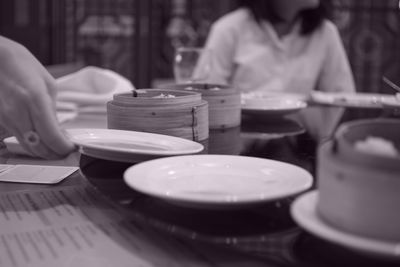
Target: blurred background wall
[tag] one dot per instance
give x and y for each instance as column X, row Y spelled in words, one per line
column 137, row 38
column 370, row 30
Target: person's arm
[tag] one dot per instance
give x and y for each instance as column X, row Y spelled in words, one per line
column 221, row 42
column 336, row 74
column 27, row 108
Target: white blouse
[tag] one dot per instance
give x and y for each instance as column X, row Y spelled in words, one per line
column 254, row 58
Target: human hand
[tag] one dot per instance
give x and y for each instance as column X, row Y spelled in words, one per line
column 27, row 106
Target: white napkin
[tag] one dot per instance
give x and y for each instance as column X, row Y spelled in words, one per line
column 91, row 88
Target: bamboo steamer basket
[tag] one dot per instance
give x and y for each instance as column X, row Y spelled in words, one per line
column 171, row 112
column 223, row 102
column 358, row 182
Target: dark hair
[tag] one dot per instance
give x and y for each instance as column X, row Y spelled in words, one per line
column 311, row 19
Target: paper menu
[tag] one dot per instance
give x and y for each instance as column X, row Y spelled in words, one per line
column 39, row 174
column 76, row 226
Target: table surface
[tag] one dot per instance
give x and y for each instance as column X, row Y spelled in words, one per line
column 171, row 235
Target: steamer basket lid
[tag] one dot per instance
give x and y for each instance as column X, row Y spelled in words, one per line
column 204, row 88
column 146, row 97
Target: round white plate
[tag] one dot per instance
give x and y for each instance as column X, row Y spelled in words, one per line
column 272, row 129
column 392, row 102
column 305, row 214
column 271, row 103
column 217, row 180
column 130, row 145
column 357, row 100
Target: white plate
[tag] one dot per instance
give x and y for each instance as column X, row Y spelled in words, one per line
column 305, row 214
column 392, row 102
column 130, row 145
column 271, row 103
column 358, row 100
column 272, row 130
column 217, row 180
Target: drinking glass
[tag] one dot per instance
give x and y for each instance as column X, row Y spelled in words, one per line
column 192, row 64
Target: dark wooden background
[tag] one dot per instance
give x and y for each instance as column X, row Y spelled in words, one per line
column 137, row 37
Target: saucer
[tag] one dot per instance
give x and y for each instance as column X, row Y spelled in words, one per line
column 271, row 104
column 352, row 100
column 217, row 181
column 391, row 102
column 130, row 146
column 305, row 214
column 270, row 129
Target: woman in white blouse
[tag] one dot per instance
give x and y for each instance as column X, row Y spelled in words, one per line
column 279, row 45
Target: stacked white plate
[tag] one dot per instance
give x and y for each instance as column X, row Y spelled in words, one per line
column 356, row 100
column 272, row 104
column 130, row 146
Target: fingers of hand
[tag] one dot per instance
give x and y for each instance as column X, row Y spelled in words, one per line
column 26, row 106
column 45, row 122
column 34, row 138
column 28, row 138
column 3, row 133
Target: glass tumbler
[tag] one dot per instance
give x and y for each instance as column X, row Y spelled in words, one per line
column 192, row 64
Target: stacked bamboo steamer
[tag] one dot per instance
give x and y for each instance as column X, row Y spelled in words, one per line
column 171, row 112
column 361, row 165
column 223, row 102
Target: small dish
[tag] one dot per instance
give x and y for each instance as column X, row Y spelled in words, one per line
column 217, row 181
column 392, row 102
column 352, row 100
column 304, row 212
column 270, row 129
column 130, row 146
column 275, row 104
